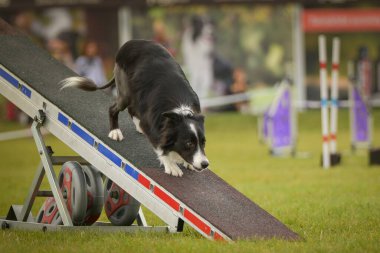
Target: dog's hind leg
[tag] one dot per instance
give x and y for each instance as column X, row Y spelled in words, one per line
column 122, row 102
column 115, row 132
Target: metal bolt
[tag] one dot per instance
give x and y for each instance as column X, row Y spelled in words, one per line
column 114, row 194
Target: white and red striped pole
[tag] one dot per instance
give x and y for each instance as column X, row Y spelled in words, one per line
column 324, row 101
column 334, row 95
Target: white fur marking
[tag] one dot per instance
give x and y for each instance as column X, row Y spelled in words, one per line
column 198, row 157
column 169, row 162
column 184, row 110
column 136, row 121
column 193, row 129
column 73, row 81
column 115, row 134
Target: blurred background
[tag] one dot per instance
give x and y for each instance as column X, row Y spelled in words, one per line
column 257, row 58
column 224, row 47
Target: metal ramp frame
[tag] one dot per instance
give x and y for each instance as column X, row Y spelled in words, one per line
column 20, row 216
column 29, row 78
column 78, row 139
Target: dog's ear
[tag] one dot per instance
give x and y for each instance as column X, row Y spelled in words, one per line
column 172, row 116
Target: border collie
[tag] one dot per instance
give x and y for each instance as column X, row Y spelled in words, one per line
column 161, row 102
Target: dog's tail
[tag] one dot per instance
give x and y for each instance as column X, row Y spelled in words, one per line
column 83, row 83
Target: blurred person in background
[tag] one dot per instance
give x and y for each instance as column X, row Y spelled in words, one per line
column 240, row 86
column 197, row 49
column 160, row 36
column 90, row 65
column 223, row 76
column 56, row 21
column 23, row 21
column 60, row 50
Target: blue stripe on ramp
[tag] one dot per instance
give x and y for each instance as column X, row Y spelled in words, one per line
column 109, row 154
column 9, row 78
column 26, row 91
column 63, row 119
column 132, row 172
column 85, row 136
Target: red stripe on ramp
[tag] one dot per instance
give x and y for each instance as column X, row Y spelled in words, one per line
column 218, row 237
column 144, row 181
column 166, row 198
column 197, row 222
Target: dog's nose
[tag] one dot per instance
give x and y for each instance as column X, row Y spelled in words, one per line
column 204, row 164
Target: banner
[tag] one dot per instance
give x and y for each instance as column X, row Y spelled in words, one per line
column 341, row 20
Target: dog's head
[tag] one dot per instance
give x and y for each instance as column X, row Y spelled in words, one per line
column 184, row 134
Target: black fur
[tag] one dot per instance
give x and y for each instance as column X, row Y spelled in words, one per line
column 153, row 86
column 156, row 84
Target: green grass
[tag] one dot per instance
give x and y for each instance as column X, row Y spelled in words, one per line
column 334, row 211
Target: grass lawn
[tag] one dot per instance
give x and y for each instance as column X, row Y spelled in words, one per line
column 336, row 210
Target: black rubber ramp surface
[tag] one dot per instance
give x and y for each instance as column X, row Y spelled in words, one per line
column 205, row 193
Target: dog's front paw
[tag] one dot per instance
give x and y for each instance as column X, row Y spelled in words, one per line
column 173, row 169
column 115, row 134
column 189, row 166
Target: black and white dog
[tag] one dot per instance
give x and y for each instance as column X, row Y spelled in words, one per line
column 161, row 102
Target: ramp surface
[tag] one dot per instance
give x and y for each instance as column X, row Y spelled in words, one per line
column 205, row 193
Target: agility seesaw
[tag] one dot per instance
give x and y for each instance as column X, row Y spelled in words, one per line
column 29, row 78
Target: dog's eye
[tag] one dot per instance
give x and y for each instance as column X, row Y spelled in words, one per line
column 189, row 145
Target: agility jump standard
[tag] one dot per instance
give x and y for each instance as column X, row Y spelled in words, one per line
column 29, row 78
column 330, row 156
column 324, row 101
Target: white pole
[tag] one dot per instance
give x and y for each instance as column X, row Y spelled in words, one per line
column 324, row 101
column 299, row 57
column 334, row 95
column 124, row 23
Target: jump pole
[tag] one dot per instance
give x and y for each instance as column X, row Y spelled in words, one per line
column 324, row 101
column 335, row 157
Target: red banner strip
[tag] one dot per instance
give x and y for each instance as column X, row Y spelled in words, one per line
column 341, row 20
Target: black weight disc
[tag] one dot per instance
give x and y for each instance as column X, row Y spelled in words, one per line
column 121, row 208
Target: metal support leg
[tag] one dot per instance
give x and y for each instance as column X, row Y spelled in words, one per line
column 141, row 221
column 48, row 167
column 32, row 193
